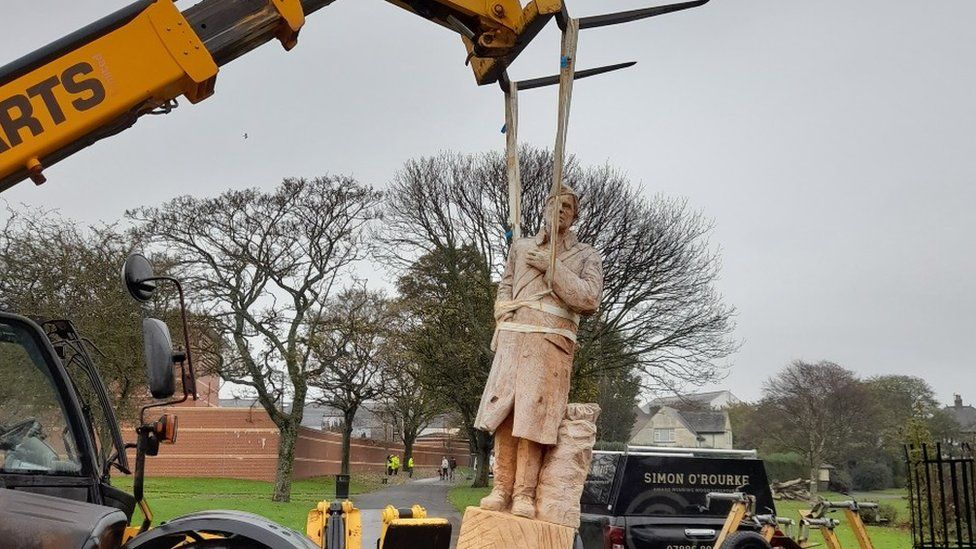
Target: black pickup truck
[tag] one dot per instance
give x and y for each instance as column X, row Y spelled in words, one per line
column 657, row 499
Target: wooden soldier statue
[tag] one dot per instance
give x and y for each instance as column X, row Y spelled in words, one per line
column 527, row 391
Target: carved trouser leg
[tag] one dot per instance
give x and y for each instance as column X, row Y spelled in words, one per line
column 517, row 465
column 529, row 461
column 528, row 464
column 506, row 453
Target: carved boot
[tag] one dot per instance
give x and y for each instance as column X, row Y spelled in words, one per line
column 497, row 500
column 523, row 506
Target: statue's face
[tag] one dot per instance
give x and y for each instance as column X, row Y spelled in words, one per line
column 567, row 213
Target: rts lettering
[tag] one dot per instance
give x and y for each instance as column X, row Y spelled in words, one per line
column 17, row 113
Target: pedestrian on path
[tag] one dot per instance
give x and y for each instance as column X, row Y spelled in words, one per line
column 396, row 464
column 389, row 468
column 453, row 465
column 444, row 467
column 410, row 466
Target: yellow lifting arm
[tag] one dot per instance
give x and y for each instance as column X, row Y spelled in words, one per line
column 98, row 81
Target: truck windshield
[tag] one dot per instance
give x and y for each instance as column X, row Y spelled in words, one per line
column 35, row 436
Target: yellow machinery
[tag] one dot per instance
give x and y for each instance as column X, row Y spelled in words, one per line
column 767, row 527
column 98, row 81
column 743, row 506
column 764, row 529
column 825, row 525
column 410, row 528
column 817, row 518
column 338, row 525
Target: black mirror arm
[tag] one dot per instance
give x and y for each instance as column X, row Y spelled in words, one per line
column 189, row 383
column 143, row 446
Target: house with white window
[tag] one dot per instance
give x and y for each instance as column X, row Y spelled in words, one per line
column 667, row 426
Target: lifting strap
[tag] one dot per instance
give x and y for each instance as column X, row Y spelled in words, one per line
column 567, row 68
column 503, row 308
column 512, row 160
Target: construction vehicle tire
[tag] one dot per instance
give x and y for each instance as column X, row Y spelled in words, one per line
column 224, row 544
column 745, row 540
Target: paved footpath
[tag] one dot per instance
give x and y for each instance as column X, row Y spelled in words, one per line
column 430, row 493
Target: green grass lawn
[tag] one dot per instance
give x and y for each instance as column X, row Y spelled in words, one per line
column 465, row 496
column 171, row 497
column 897, row 537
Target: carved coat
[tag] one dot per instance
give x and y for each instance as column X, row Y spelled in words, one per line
column 530, row 372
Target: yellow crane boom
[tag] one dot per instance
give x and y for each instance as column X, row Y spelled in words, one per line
column 98, row 81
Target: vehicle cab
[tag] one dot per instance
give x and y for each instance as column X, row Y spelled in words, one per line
column 657, row 498
column 58, row 440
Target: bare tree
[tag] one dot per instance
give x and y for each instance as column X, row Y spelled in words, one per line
column 359, row 321
column 265, row 263
column 660, row 267
column 51, row 267
column 816, row 409
column 406, row 403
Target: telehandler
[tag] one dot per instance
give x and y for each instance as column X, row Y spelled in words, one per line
column 59, row 441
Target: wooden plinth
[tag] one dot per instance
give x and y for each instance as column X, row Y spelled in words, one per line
column 482, row 529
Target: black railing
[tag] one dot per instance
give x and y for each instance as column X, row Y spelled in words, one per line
column 942, row 500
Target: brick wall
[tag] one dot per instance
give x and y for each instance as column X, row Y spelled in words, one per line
column 243, row 443
column 208, row 393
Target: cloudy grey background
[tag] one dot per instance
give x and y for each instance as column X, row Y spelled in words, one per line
column 831, row 142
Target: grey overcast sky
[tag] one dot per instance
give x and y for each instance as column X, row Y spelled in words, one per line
column 831, row 142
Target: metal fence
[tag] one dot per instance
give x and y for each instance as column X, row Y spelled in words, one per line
column 942, row 500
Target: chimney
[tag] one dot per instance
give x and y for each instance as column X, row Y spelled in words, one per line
column 958, row 401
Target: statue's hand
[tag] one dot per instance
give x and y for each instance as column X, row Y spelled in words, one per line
column 505, row 317
column 538, row 259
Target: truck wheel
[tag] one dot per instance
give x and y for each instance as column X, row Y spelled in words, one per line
column 224, row 544
column 745, row 540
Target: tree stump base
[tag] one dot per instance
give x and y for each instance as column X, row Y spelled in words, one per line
column 481, row 529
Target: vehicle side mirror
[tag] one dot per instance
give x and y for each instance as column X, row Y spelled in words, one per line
column 137, row 273
column 158, row 350
column 141, row 282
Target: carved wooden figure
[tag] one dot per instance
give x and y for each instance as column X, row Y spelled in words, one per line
column 527, row 391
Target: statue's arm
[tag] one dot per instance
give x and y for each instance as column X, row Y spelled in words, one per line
column 580, row 291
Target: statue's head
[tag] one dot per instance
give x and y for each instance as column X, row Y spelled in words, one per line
column 568, row 204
